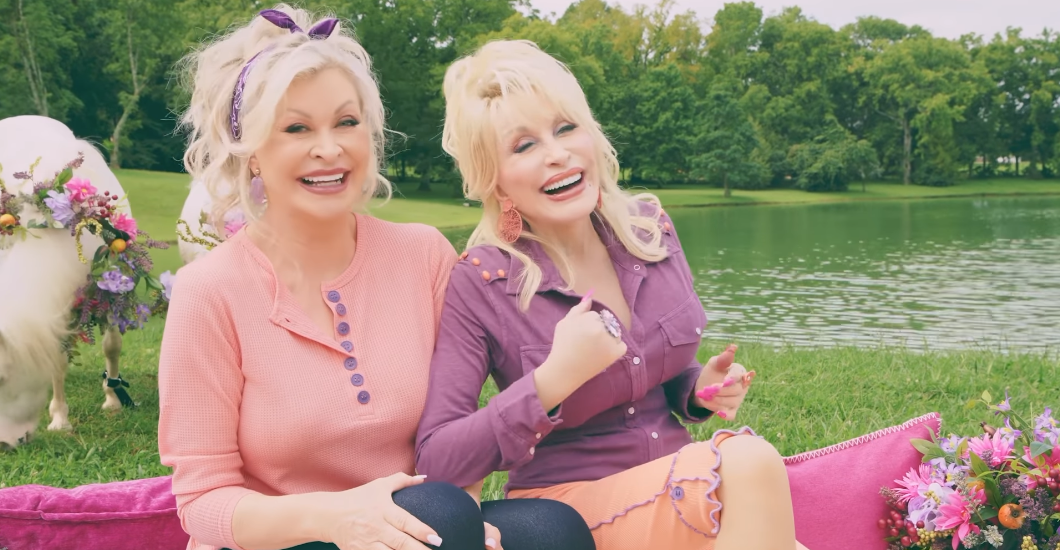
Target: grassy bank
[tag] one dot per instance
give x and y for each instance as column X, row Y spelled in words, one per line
column 157, row 199
column 802, row 400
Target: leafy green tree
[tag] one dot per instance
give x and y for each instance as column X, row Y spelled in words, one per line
column 832, row 160
column 727, row 142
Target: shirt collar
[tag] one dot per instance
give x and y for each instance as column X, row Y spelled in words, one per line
column 551, row 280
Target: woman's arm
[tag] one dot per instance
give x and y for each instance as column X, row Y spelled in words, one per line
column 458, row 442
column 200, row 390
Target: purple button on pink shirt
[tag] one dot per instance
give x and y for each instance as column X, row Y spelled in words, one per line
column 625, row 416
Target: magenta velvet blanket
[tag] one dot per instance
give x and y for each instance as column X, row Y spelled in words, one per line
column 835, row 493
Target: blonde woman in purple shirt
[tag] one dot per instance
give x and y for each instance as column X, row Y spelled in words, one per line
column 577, row 299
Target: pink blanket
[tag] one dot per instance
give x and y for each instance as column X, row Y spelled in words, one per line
column 835, row 493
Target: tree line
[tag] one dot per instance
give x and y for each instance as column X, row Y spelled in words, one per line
column 748, row 102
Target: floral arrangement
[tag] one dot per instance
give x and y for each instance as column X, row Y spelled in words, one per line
column 109, row 295
column 995, row 490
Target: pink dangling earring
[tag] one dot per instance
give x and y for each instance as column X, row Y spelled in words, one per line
column 257, row 189
column 511, row 223
column 600, row 199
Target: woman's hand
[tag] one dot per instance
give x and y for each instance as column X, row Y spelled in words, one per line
column 493, row 537
column 366, row 518
column 723, row 385
column 581, row 348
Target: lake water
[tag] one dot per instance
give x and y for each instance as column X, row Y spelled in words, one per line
column 941, row 274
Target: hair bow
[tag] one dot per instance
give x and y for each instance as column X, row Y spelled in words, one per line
column 320, row 30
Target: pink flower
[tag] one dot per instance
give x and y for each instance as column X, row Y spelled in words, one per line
column 997, row 449
column 1050, row 459
column 957, row 514
column 232, row 227
column 80, row 189
column 121, row 222
column 913, row 482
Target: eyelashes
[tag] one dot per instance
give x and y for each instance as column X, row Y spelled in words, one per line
column 563, row 129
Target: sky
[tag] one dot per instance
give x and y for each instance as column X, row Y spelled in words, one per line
column 947, row 18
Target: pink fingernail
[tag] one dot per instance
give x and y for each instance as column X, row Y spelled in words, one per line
column 728, row 382
column 722, row 415
column 708, row 393
column 588, row 295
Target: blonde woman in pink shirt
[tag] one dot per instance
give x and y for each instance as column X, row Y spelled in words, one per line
column 577, row 299
column 295, row 356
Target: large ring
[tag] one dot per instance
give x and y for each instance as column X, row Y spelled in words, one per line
column 611, row 323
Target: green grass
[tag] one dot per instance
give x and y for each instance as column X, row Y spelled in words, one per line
column 801, row 400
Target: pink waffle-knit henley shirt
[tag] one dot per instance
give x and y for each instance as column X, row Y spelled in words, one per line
column 254, row 397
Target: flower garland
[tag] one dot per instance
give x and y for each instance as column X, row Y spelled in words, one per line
column 109, row 295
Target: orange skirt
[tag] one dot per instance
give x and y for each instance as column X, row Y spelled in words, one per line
column 668, row 503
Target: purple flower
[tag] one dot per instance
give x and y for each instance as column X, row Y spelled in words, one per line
column 114, row 281
column 1046, row 429
column 950, row 444
column 946, row 473
column 167, row 279
column 1003, row 406
column 62, row 210
column 140, row 316
column 1008, row 432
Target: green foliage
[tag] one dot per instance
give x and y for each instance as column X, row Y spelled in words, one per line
column 933, row 110
column 831, row 160
column 727, row 141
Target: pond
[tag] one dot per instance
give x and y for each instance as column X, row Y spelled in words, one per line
column 979, row 273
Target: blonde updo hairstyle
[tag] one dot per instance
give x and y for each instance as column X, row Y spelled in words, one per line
column 210, row 73
column 480, row 90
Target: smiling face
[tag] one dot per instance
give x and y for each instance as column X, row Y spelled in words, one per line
column 546, row 164
column 318, row 155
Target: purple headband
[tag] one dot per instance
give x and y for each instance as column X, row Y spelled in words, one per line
column 320, row 30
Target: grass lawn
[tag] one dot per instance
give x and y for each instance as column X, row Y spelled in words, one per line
column 801, row 400
column 157, row 199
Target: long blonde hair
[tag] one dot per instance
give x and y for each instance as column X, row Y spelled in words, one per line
column 477, row 88
column 213, row 155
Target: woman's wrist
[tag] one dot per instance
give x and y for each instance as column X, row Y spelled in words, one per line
column 552, row 384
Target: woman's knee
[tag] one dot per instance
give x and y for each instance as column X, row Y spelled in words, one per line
column 447, row 509
column 538, row 524
column 747, row 455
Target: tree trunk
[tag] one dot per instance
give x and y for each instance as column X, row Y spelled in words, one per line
column 725, row 181
column 37, row 91
column 130, row 103
column 907, row 150
column 425, row 179
column 404, row 170
column 1017, row 166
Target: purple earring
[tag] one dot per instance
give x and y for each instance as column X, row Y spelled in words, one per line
column 257, row 188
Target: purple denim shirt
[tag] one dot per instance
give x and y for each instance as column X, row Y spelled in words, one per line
column 621, row 418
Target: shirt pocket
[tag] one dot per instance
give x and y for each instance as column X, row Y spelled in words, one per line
column 682, row 330
column 592, row 398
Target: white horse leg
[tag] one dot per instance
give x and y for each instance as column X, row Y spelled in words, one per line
column 58, row 409
column 111, row 354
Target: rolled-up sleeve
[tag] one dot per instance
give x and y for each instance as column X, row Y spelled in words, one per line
column 457, row 442
column 200, row 390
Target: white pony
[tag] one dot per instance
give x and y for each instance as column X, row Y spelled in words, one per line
column 39, row 277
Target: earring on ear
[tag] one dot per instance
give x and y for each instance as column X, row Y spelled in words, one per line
column 600, row 199
column 510, row 225
column 257, row 189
